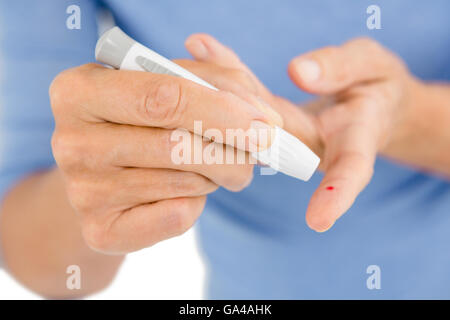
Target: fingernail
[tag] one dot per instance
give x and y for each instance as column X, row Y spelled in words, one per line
column 260, row 135
column 308, row 70
column 198, row 49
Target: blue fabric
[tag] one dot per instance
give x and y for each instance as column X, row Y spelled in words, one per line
column 256, row 242
column 35, row 46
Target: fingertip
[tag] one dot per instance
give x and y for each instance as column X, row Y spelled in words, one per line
column 292, row 72
column 325, row 207
column 318, row 223
column 319, row 216
column 197, row 37
column 196, row 47
column 305, row 72
column 203, row 46
column 204, row 38
column 189, row 39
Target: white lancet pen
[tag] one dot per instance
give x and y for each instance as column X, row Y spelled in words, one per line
column 287, row 154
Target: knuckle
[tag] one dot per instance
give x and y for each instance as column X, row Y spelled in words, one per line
column 72, row 152
column 58, row 89
column 95, row 235
column 61, row 89
column 164, row 103
column 66, row 150
column 388, row 59
column 181, row 216
column 80, row 197
column 367, row 43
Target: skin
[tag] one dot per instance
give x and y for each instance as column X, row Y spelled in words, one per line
column 123, row 193
column 368, row 104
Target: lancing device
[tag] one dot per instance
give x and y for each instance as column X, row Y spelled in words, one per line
column 286, row 154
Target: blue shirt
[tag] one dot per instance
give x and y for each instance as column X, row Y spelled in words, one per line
column 256, row 242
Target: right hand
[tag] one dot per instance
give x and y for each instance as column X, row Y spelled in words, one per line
column 112, row 144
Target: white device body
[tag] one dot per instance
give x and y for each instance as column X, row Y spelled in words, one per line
column 287, row 154
column 129, row 63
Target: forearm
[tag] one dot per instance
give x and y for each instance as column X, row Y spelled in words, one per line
column 423, row 138
column 41, row 237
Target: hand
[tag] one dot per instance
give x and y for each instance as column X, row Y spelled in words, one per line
column 112, row 143
column 364, row 100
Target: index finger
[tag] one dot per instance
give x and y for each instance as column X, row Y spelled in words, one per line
column 156, row 100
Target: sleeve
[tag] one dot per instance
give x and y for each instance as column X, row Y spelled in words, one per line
column 35, row 45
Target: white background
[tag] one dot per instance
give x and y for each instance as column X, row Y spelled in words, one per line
column 172, row 269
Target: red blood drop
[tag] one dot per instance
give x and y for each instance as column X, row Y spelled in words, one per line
column 330, row 188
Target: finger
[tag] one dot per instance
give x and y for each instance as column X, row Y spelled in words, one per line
column 349, row 161
column 332, row 69
column 142, row 226
column 154, row 100
column 223, row 78
column 127, row 187
column 206, row 48
column 232, row 80
column 302, row 125
column 119, row 146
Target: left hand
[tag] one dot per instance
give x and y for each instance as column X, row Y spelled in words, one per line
column 364, row 97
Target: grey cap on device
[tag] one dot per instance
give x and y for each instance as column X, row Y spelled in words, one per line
column 112, row 47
